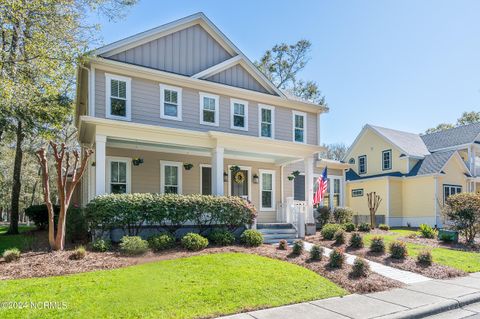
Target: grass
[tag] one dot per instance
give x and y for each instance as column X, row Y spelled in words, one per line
column 20, row 241
column 462, row 260
column 199, row 286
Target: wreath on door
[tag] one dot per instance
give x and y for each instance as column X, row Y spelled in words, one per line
column 239, row 178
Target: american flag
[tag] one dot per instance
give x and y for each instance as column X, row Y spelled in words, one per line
column 321, row 184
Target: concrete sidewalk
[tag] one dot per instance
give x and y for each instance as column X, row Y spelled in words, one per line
column 417, row 300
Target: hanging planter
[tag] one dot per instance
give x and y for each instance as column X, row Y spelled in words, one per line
column 234, row 169
column 188, row 166
column 296, row 173
column 137, row 161
column 94, row 163
column 255, row 179
column 291, row 177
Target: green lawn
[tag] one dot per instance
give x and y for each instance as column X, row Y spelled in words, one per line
column 200, row 286
column 462, row 260
column 20, row 241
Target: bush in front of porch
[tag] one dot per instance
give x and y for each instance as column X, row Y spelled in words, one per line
column 131, row 212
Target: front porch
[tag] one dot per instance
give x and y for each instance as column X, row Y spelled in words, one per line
column 188, row 162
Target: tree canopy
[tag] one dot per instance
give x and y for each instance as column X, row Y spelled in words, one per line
column 465, row 119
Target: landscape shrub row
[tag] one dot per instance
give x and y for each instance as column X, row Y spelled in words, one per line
column 131, row 212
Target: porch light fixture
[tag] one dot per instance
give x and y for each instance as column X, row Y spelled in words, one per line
column 255, row 179
column 188, row 166
column 225, row 177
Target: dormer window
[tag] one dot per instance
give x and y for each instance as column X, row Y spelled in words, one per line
column 387, row 160
column 118, row 97
column 362, row 164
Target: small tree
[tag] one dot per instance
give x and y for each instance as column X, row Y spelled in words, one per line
column 463, row 210
column 63, row 165
column 374, row 201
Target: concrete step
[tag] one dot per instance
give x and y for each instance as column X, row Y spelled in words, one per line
column 280, row 236
column 276, row 241
column 274, row 226
column 266, row 231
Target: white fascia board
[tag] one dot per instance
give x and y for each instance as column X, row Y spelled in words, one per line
column 217, row 68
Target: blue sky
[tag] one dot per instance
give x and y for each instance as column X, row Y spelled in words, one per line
column 407, row 65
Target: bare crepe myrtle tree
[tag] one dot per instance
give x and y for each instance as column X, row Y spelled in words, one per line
column 67, row 162
column 374, row 201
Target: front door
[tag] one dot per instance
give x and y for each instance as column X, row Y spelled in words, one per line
column 239, row 183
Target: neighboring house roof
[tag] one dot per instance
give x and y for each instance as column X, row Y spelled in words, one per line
column 461, row 135
column 410, row 143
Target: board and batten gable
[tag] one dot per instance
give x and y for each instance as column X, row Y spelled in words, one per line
column 185, row 52
column 372, row 145
column 145, row 109
column 239, row 77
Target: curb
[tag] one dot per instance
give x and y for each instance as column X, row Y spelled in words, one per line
column 436, row 308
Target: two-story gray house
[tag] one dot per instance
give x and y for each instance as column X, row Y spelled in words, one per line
column 180, row 109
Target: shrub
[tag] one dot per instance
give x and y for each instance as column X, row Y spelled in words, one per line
column 283, row 244
column 365, row 227
column 316, row 252
column 194, row 242
column 424, row 257
column 221, row 237
column 101, row 245
column 360, row 268
column 427, row 231
column 252, row 238
column 463, row 211
column 78, row 253
column 161, row 242
column 337, row 258
column 398, row 249
column 324, row 215
column 298, row 247
column 329, row 230
column 446, row 237
column 342, row 215
column 339, row 237
column 130, row 211
column 412, row 235
column 133, row 245
column 356, row 240
column 377, row 244
column 12, row 254
column 349, row 227
column 384, row 227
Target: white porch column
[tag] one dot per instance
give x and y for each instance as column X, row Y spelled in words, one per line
column 100, row 162
column 308, row 162
column 217, row 171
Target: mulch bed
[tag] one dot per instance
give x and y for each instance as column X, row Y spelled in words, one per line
column 44, row 264
column 435, row 271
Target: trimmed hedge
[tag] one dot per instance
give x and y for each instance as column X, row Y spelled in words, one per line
column 170, row 211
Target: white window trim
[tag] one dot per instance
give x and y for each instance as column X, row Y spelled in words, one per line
column 304, row 115
column 365, row 161
column 201, row 176
column 162, row 175
column 229, row 186
column 389, row 160
column 217, row 108
column 108, row 174
column 164, row 87
column 332, row 190
column 450, row 186
column 267, row 107
column 128, row 95
column 274, row 182
column 232, row 109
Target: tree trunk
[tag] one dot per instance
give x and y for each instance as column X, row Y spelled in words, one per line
column 17, row 183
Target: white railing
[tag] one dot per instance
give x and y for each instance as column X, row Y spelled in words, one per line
column 295, row 213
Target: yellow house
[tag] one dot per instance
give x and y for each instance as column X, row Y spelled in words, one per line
column 412, row 173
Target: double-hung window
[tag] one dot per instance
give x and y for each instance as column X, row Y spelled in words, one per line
column 362, row 164
column 267, row 189
column 239, row 115
column 118, row 97
column 118, row 175
column 171, row 177
column 387, row 160
column 299, row 127
column 449, row 190
column 209, row 109
column 170, row 102
column 266, row 120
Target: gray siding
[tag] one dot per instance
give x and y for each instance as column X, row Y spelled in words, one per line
column 239, row 77
column 146, row 110
column 186, row 52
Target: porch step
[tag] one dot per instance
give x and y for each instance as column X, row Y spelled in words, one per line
column 274, row 232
